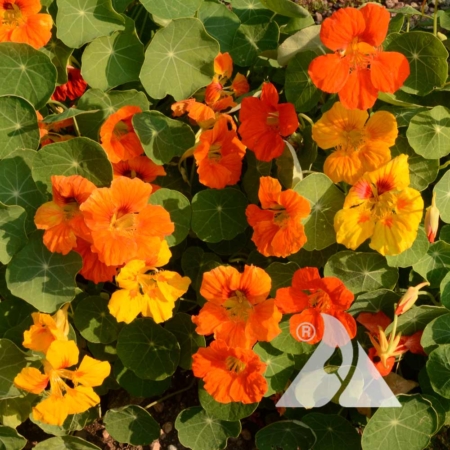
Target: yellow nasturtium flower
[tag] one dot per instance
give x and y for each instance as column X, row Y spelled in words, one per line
column 61, row 399
column 382, row 207
column 361, row 144
column 46, row 329
column 147, row 290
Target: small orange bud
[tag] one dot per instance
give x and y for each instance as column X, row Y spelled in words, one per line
column 432, row 220
column 409, row 298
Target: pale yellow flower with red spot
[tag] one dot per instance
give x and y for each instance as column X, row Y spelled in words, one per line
column 382, row 207
column 63, row 399
column 361, row 143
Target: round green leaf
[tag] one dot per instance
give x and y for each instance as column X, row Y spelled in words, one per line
column 251, row 12
column 104, row 352
column 427, row 58
column 199, row 430
column 78, row 156
column 149, row 350
column 44, row 279
column 250, row 40
column 325, row 200
column 442, row 190
column 105, row 104
column 285, row 8
column 422, row 171
column 12, row 361
column 219, row 22
column 136, row 386
column 132, row 425
column 438, row 369
column 182, row 327
column 281, row 275
column 179, row 60
column 66, row 443
column 361, row 272
column 436, row 333
column 218, row 214
column 67, row 114
column 445, row 291
column 110, row 61
column 81, row 21
column 413, row 254
column 232, row 246
column 315, row 258
column 10, row 439
column 18, row 125
column 280, row 367
column 429, row 133
column 300, row 90
column 162, row 138
column 444, row 233
column 435, row 264
column 12, row 231
column 402, row 115
column 224, row 411
column 286, row 434
column 410, row 426
column 287, row 344
column 180, row 212
column 59, row 55
column 374, row 301
column 17, row 187
column 417, row 318
column 172, row 9
column 333, row 432
column 94, row 322
column 26, row 72
column 12, row 313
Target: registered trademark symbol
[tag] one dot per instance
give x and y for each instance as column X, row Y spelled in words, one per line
column 306, row 332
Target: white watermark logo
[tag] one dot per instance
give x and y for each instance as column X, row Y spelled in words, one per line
column 354, row 383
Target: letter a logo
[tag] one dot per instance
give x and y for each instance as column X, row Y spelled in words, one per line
column 354, row 384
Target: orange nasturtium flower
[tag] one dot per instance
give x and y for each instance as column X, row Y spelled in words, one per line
column 230, row 374
column 93, row 269
column 61, row 218
column 46, row 329
column 308, row 296
column 21, row 22
column 141, row 167
column 237, row 310
column 219, row 155
column 118, row 137
column 359, row 68
column 277, row 227
column 361, row 143
column 264, row 123
column 74, row 87
column 382, row 207
column 62, row 399
column 123, row 225
column 147, row 290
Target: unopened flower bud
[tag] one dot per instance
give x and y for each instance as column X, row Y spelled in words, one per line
column 432, row 220
column 409, row 298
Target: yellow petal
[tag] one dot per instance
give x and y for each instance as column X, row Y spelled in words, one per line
column 172, row 285
column 392, row 176
column 157, row 306
column 61, row 322
column 343, row 165
column 374, row 155
column 41, row 334
column 62, row 354
column 339, row 127
column 32, row 380
column 125, row 305
column 80, row 399
column 53, row 411
column 128, row 275
column 382, row 127
column 353, row 226
column 162, row 258
column 91, row 372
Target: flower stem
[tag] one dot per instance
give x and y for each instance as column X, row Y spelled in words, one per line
column 435, row 18
column 150, row 405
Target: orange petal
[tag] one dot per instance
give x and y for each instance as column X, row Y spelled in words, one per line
column 358, row 91
column 389, row 70
column 330, row 72
column 376, row 19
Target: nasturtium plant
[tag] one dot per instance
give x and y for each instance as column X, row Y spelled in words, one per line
column 193, row 193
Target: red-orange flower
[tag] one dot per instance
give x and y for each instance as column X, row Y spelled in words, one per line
column 61, row 218
column 118, row 137
column 74, row 87
column 122, row 223
column 93, row 269
column 21, row 22
column 264, row 121
column 310, row 295
column 358, row 69
column 230, row 374
column 277, row 227
column 237, row 310
column 219, row 155
column 140, row 167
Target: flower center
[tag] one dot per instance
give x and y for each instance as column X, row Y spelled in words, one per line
column 359, row 53
column 124, row 222
column 273, row 119
column 215, row 151
column 320, row 300
column 12, row 14
column 234, row 364
column 120, row 130
column 238, row 306
column 71, row 210
column 130, row 174
column 280, row 217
